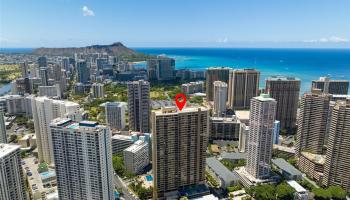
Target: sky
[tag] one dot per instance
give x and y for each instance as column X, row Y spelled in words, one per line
column 176, row 23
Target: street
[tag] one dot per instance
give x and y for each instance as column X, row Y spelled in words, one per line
column 126, row 193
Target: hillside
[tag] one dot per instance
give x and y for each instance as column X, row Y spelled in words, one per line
column 116, row 49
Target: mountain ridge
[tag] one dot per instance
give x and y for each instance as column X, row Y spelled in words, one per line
column 114, row 49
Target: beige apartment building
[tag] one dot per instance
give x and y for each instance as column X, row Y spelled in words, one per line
column 243, row 86
column 179, row 149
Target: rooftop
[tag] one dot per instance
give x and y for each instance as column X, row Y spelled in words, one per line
column 284, row 148
column 70, row 124
column 317, row 158
column 218, row 68
column 221, row 170
column 298, row 188
column 282, row 78
column 114, row 104
column 139, row 144
column 193, row 83
column 122, row 137
column 47, row 175
column 220, row 84
column 242, row 114
column 234, row 156
column 285, row 166
column 171, row 110
column 225, row 119
column 264, row 97
column 6, row 149
column 322, row 79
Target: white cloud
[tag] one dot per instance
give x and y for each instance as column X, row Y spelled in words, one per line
column 338, row 39
column 222, row 40
column 332, row 39
column 87, row 12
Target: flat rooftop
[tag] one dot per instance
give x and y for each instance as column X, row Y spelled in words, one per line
column 282, row 78
column 139, row 144
column 285, row 166
column 317, row 158
column 221, row 170
column 234, row 156
column 171, row 110
column 121, row 137
column 242, row 114
column 6, row 149
column 225, row 119
column 298, row 188
column 284, row 148
column 70, row 124
column 264, row 97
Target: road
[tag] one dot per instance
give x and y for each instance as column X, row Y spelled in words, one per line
column 120, row 184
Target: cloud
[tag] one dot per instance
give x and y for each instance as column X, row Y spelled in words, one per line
column 332, row 39
column 222, row 40
column 87, row 12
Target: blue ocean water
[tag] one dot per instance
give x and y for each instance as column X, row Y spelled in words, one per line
column 305, row 64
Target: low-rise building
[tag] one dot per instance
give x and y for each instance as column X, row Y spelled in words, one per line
column 222, row 174
column 287, row 170
column 283, row 150
column 234, row 157
column 41, row 185
column 28, row 140
column 136, row 157
column 300, row 192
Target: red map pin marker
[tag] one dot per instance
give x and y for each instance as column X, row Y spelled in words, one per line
column 180, row 100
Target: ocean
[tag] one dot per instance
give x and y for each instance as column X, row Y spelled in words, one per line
column 305, row 64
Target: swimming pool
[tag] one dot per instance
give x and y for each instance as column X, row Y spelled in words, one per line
column 149, row 178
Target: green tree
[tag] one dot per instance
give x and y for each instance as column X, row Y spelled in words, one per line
column 234, row 188
column 263, row 192
column 284, row 192
column 118, row 165
column 337, row 192
column 293, row 161
column 322, row 194
column 306, row 184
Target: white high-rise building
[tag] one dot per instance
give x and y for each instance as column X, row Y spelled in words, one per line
column 83, row 160
column 45, row 110
column 220, row 96
column 115, row 115
column 136, row 157
column 3, row 135
column 11, row 175
column 260, row 138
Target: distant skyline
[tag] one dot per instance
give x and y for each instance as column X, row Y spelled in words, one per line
column 181, row 23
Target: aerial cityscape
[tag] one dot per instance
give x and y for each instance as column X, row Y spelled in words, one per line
column 137, row 100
